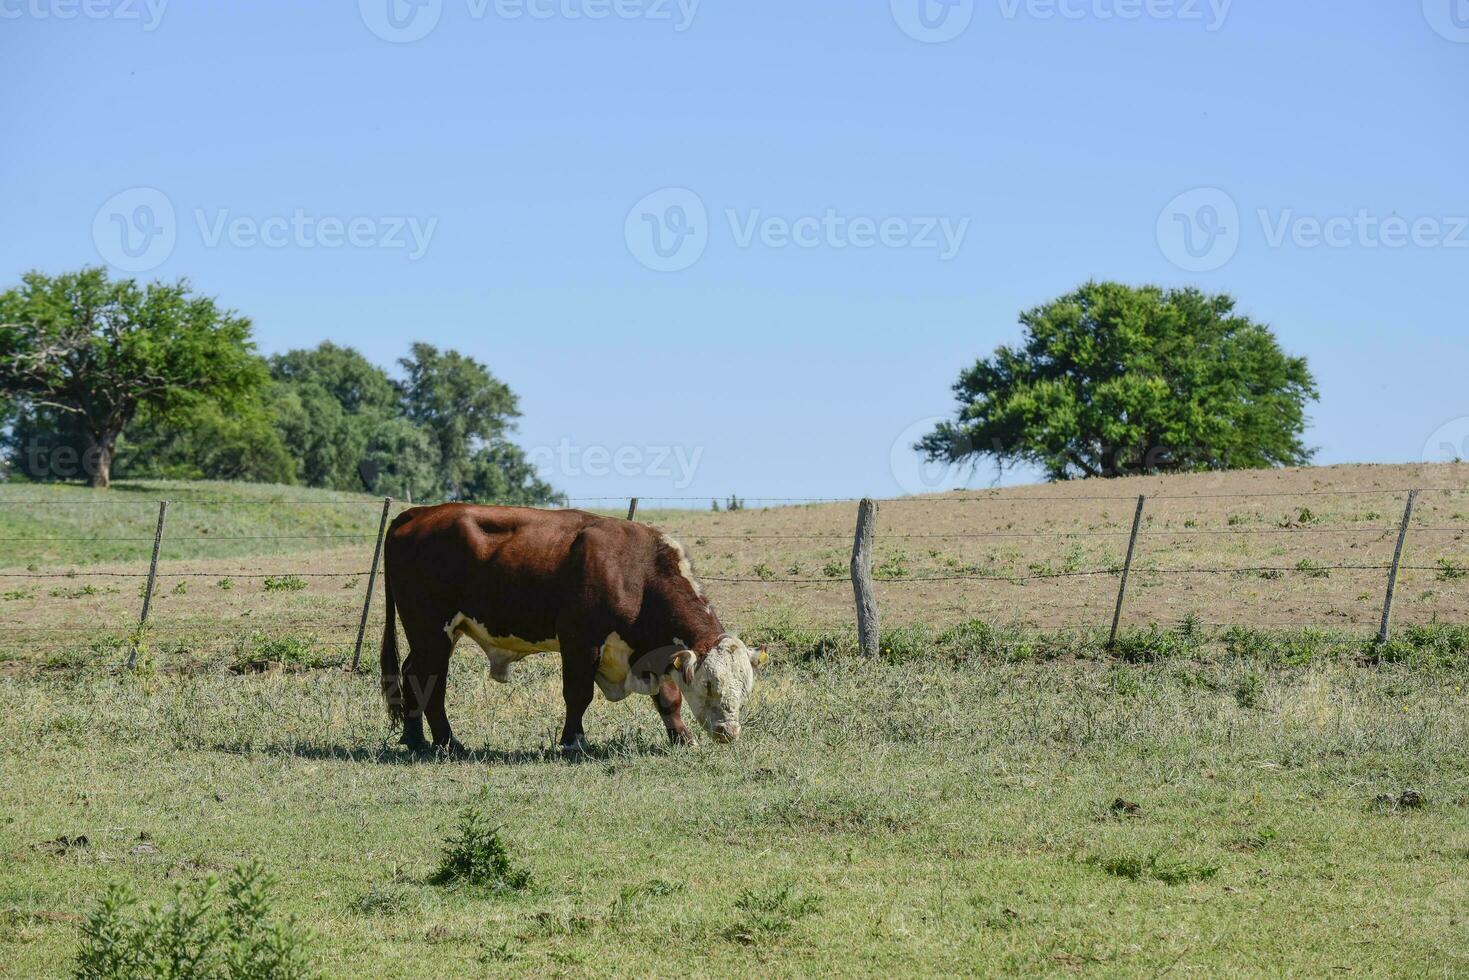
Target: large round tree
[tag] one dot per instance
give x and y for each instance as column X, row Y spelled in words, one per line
column 94, row 352
column 1115, row 380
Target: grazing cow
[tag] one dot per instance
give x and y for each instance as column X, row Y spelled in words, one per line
column 616, row 599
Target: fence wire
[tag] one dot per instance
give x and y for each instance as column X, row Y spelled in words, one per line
column 1146, row 569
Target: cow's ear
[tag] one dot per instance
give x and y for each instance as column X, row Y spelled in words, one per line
column 684, row 661
column 759, row 657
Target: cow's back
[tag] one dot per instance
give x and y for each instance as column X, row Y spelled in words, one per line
column 511, row 569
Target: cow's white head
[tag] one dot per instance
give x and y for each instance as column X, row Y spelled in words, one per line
column 717, row 684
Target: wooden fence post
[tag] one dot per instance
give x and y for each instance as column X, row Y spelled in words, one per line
column 632, row 508
column 1392, row 576
column 377, row 553
column 868, row 635
column 152, row 578
column 1137, row 523
column 153, row 565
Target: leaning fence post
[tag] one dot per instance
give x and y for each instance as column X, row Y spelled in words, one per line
column 1137, row 523
column 153, row 565
column 868, row 637
column 632, row 508
column 152, row 578
column 1397, row 561
column 377, row 553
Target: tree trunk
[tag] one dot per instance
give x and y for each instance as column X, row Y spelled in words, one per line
column 97, row 462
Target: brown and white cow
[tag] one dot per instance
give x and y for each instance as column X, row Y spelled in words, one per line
column 616, row 599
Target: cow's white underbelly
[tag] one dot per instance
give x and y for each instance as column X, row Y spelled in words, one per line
column 503, row 651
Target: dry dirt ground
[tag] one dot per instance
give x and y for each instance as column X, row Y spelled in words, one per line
column 1306, row 547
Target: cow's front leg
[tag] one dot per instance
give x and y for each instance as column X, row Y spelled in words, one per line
column 578, row 680
column 669, row 702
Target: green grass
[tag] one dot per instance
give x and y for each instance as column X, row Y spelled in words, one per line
column 62, row 524
column 983, row 814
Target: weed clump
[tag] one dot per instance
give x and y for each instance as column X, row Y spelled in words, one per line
column 195, row 936
column 1154, row 867
column 476, row 856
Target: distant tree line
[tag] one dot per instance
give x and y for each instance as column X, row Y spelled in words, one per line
column 104, row 379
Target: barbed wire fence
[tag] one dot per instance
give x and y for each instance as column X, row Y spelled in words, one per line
column 861, row 575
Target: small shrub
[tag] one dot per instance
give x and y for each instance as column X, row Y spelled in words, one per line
column 475, row 855
column 833, row 569
column 1450, row 570
column 1248, row 690
column 764, row 572
column 14, row 594
column 195, row 936
column 284, row 583
column 906, row 644
column 770, row 913
column 225, row 584
column 1312, row 569
column 895, row 566
column 1154, row 867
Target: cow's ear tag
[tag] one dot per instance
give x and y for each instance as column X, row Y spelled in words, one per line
column 759, row 658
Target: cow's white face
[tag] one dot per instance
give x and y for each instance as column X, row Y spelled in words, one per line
column 718, row 684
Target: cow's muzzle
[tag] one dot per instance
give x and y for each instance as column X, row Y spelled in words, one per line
column 725, row 731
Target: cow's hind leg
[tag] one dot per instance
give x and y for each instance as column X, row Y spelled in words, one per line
column 669, row 702
column 425, row 676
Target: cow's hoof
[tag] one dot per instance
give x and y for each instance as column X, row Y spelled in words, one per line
column 416, row 744
column 574, row 750
column 453, row 750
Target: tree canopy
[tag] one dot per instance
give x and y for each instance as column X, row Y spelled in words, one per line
column 95, row 352
column 153, row 381
column 1114, row 380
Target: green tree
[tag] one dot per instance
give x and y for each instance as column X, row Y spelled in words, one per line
column 1114, row 380
column 211, row 444
column 468, row 413
column 338, row 411
column 99, row 351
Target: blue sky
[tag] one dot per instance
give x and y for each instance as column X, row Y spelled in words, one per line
column 800, row 162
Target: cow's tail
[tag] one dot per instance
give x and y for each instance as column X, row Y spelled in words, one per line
column 392, row 677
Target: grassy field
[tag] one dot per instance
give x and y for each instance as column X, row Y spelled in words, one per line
column 997, row 794
column 947, row 815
